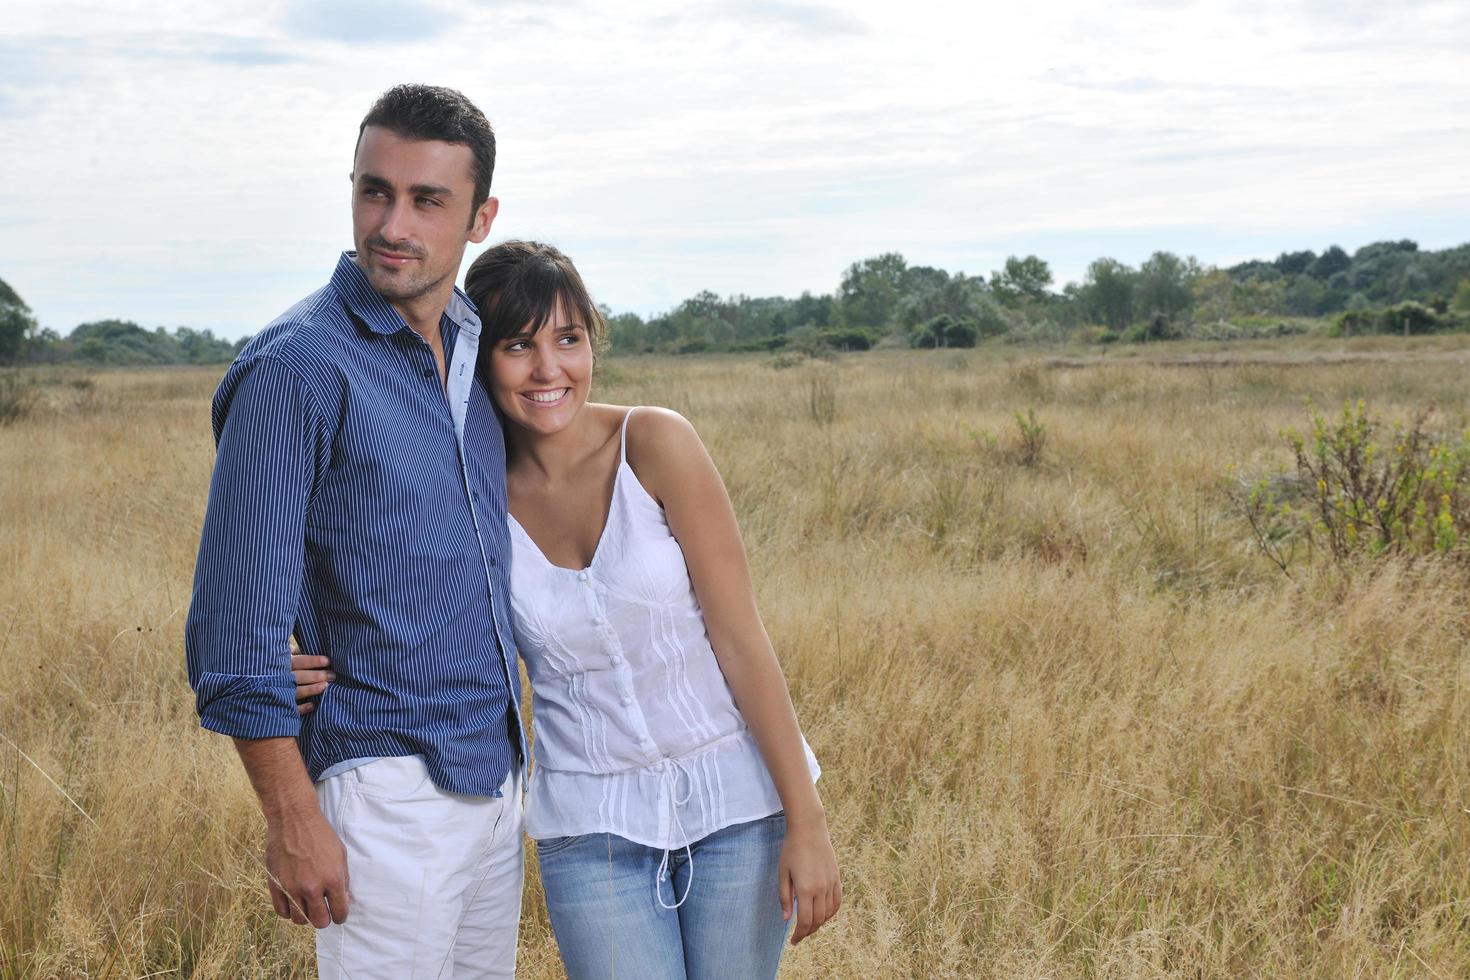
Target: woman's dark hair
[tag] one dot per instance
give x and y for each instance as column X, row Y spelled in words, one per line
column 517, row 285
column 432, row 112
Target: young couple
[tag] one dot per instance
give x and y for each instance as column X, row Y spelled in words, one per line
column 412, row 484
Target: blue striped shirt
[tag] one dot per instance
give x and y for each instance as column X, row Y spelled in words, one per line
column 355, row 503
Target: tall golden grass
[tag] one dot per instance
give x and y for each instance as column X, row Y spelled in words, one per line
column 1071, row 725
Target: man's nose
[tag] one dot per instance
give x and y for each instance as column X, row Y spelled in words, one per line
column 397, row 225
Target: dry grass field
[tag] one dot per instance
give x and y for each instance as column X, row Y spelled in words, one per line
column 1072, row 725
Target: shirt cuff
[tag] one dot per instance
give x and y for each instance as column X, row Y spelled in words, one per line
column 248, row 705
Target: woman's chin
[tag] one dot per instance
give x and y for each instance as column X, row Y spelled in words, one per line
column 545, row 420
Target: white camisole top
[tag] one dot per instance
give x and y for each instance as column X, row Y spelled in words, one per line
column 637, row 733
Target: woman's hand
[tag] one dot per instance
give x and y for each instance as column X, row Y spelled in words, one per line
column 809, row 875
column 312, row 677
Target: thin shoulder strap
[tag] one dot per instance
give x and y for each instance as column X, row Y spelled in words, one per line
column 623, row 434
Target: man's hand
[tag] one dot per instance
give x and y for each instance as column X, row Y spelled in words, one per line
column 307, row 865
column 304, row 858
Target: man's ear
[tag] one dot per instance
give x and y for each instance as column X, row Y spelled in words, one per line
column 484, row 218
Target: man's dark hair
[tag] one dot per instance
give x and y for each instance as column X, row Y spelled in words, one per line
column 433, row 112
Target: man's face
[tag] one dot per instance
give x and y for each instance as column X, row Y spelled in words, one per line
column 413, row 213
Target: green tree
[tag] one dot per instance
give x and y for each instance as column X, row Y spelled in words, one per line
column 9, row 297
column 1295, row 263
column 16, row 328
column 1107, row 293
column 626, row 331
column 1329, row 263
column 1164, row 283
column 870, row 291
column 17, row 325
column 1461, row 301
column 1022, row 280
column 815, row 310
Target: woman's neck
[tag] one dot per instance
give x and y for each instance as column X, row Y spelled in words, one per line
column 551, row 455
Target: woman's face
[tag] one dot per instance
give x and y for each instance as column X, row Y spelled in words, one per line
column 541, row 380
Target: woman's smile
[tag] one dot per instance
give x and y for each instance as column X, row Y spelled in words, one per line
column 546, row 396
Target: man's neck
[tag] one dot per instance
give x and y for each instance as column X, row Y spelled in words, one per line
column 422, row 313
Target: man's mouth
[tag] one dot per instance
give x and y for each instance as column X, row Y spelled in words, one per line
column 548, row 397
column 393, row 258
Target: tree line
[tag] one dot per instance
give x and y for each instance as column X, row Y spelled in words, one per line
column 23, row 340
column 1383, row 287
column 1380, row 287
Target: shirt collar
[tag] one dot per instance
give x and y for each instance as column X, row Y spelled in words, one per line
column 378, row 314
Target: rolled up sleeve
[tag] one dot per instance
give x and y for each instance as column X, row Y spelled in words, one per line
column 248, row 580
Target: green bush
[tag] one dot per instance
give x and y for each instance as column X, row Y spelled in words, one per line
column 1031, row 439
column 849, row 338
column 1355, row 493
column 1402, row 318
column 946, row 331
column 1251, row 328
column 694, row 345
column 760, row 344
column 1096, row 335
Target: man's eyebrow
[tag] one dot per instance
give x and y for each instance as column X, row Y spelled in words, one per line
column 435, row 190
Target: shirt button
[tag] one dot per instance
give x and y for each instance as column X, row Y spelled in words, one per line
column 428, row 372
column 627, row 701
column 582, row 576
column 616, row 660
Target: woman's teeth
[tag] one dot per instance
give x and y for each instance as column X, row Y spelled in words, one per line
column 547, row 396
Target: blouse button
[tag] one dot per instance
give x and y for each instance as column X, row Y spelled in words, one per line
column 582, row 576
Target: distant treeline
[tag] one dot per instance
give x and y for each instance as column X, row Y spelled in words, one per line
column 1385, row 287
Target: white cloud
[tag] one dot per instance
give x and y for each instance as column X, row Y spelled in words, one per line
column 185, row 162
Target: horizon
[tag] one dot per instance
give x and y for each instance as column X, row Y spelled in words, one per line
column 1057, row 288
column 724, row 147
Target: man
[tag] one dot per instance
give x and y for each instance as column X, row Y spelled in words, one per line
column 358, row 501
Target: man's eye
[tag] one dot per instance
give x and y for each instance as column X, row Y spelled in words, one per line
column 429, row 202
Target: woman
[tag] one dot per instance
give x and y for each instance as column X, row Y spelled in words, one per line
column 673, row 803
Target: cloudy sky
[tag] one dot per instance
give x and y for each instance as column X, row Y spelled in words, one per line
column 184, row 162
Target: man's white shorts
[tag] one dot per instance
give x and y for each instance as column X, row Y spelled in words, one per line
column 434, row 877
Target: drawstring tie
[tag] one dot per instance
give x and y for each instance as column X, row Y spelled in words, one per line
column 672, row 770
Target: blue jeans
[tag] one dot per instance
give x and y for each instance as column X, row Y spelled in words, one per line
column 607, row 905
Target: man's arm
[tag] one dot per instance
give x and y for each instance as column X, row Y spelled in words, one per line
column 304, row 858
column 247, row 595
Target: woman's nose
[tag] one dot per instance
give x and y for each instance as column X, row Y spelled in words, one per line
column 542, row 366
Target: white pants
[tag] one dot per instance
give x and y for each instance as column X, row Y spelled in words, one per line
column 434, row 877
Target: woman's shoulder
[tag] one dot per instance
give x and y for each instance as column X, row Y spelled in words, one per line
column 658, row 443
column 652, row 431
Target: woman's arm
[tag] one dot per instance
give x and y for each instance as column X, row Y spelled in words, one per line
column 673, row 465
